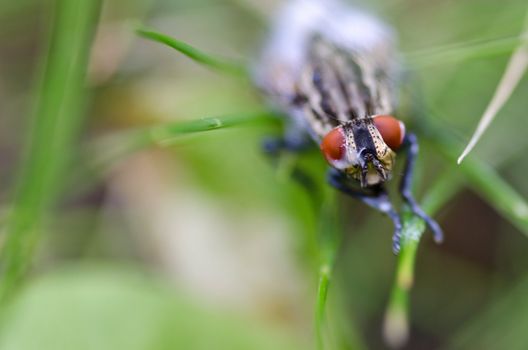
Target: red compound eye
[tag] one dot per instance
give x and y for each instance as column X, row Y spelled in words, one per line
column 333, row 145
column 391, row 129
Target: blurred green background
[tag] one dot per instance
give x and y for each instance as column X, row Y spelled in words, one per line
column 200, row 241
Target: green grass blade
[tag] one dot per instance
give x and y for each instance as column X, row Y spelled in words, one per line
column 110, row 149
column 329, row 236
column 164, row 134
column 215, row 63
column 54, row 126
column 462, row 51
column 481, row 177
column 487, row 183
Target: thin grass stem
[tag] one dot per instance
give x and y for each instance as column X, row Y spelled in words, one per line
column 329, row 238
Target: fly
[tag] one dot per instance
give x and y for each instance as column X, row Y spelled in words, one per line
column 333, row 70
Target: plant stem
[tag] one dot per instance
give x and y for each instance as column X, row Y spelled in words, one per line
column 50, row 142
column 484, row 181
column 329, row 238
column 396, row 324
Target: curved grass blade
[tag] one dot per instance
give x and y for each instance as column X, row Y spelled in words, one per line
column 51, row 140
column 514, row 72
column 219, row 64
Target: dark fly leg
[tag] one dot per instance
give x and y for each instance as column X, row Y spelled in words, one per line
column 274, row 147
column 410, row 143
column 294, row 140
column 375, row 197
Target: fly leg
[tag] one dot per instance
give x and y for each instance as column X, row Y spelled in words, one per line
column 411, row 143
column 375, row 197
column 294, row 140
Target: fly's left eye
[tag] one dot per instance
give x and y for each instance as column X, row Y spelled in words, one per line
column 333, row 145
column 391, row 130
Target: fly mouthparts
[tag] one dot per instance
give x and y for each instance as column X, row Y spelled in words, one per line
column 380, row 169
column 363, row 177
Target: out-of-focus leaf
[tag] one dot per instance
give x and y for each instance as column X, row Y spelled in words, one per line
column 51, row 140
column 501, row 325
column 104, row 307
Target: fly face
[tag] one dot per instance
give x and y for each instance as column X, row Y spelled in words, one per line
column 365, row 148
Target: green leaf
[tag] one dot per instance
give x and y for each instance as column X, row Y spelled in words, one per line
column 98, row 307
column 215, row 63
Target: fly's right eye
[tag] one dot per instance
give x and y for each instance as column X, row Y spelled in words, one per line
column 391, row 129
column 333, row 145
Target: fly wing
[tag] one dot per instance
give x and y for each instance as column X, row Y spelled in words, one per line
column 337, row 59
